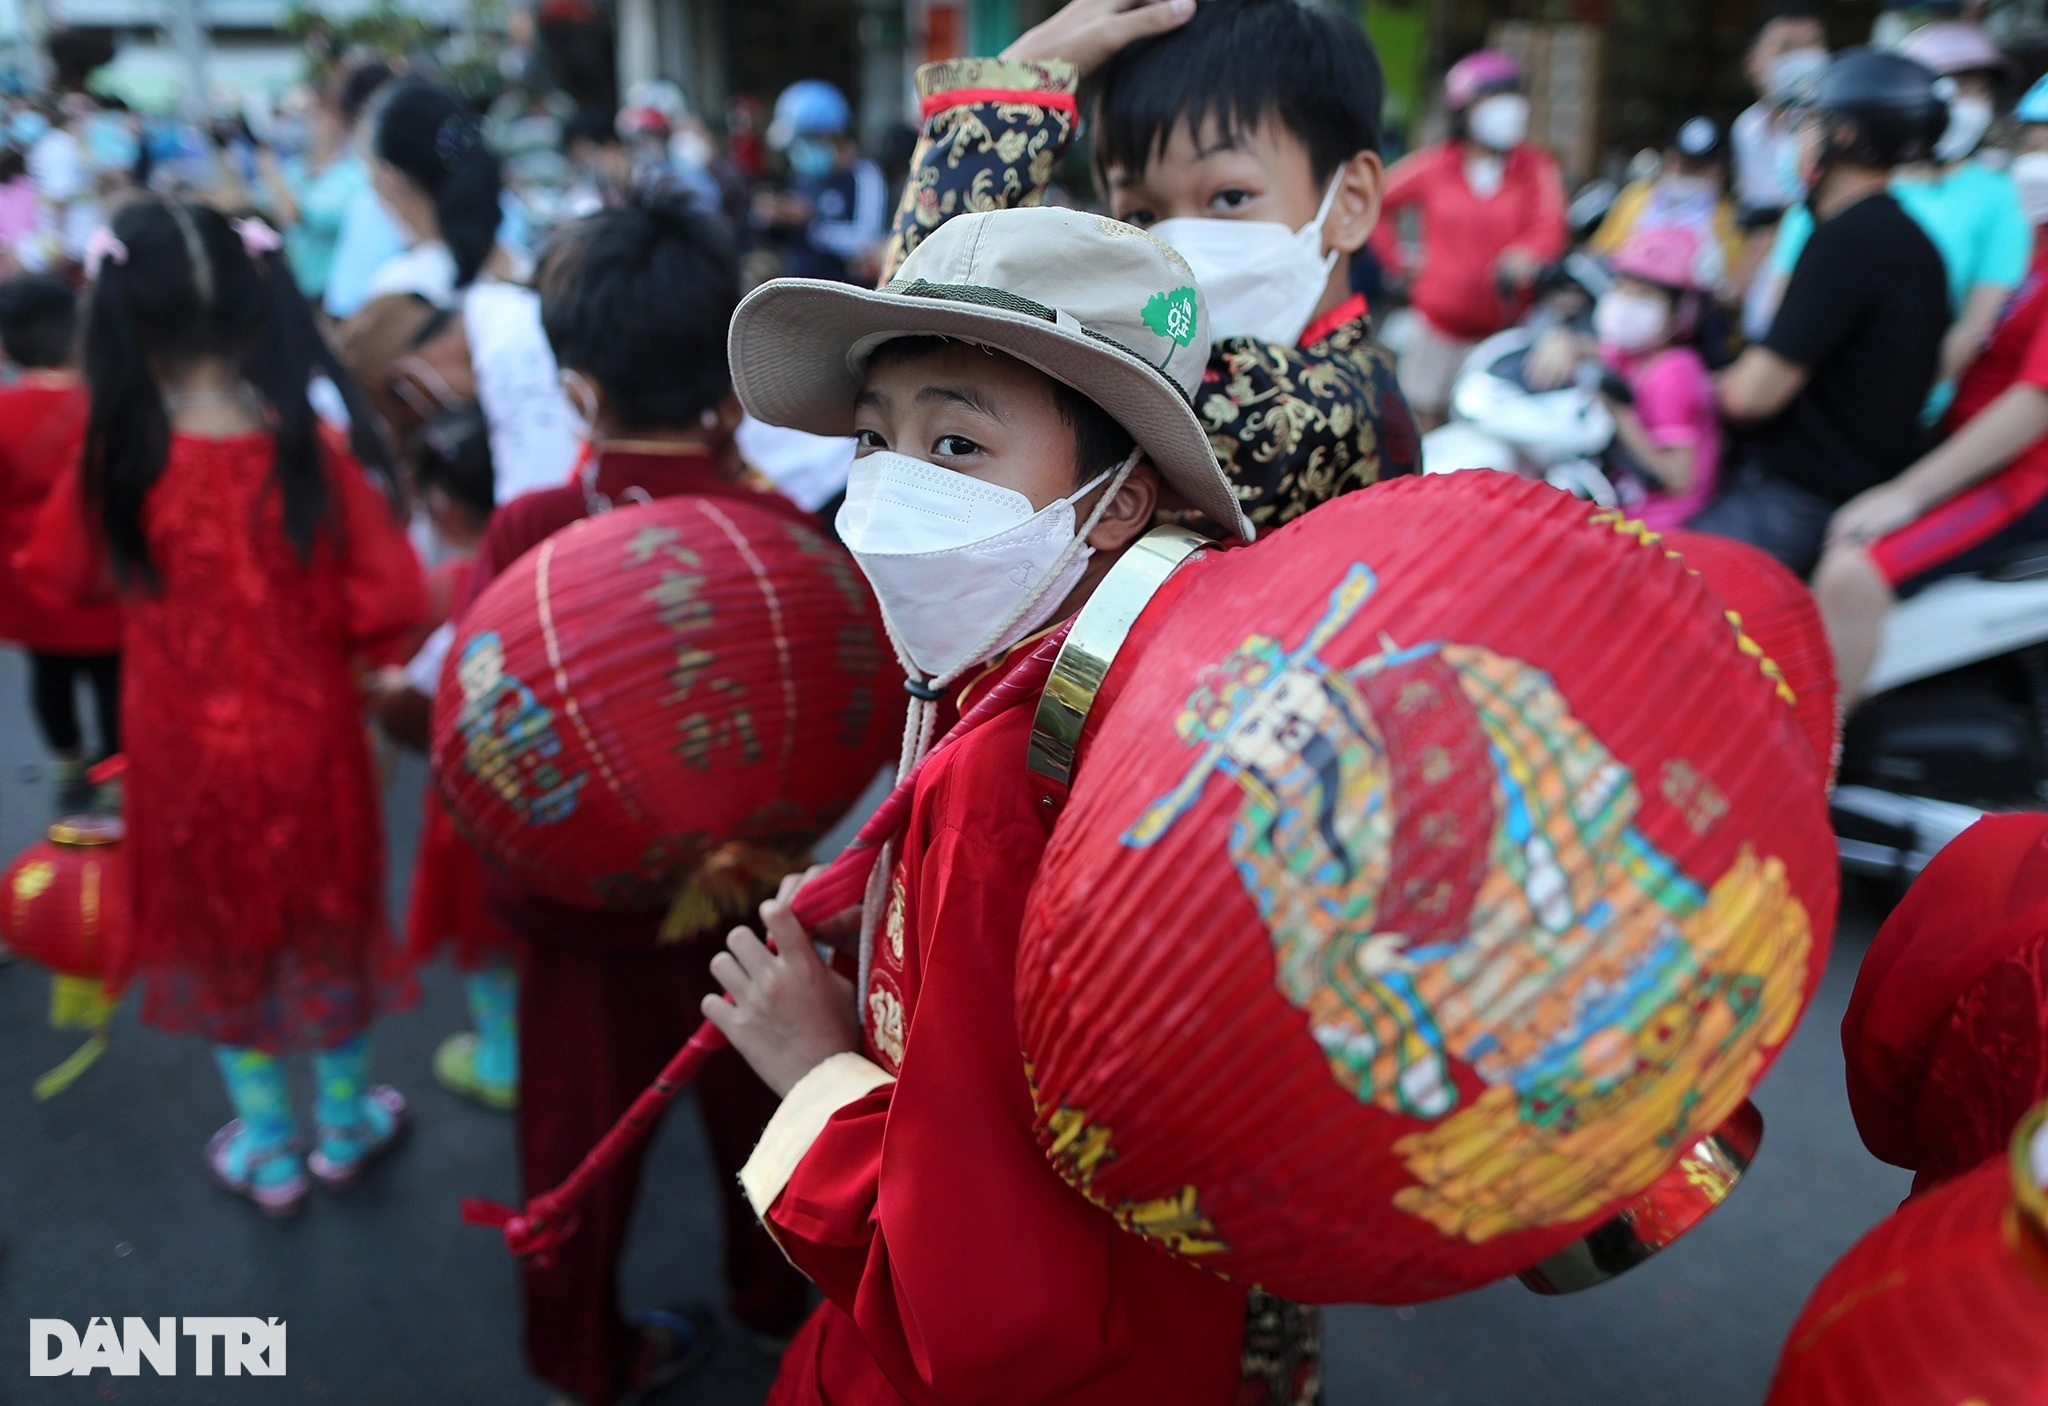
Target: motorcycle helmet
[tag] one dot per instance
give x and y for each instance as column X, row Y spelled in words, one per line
column 810, row 107
column 1951, row 48
column 1480, row 75
column 1888, row 102
column 1670, row 256
column 1700, row 139
column 1678, row 260
column 2033, row 108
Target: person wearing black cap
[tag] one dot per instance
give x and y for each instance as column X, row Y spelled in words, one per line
column 1690, row 190
column 1833, row 393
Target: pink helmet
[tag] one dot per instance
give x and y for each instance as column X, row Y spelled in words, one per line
column 1475, row 75
column 1952, row 47
column 1670, row 256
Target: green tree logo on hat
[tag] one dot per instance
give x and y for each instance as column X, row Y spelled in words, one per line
column 1172, row 315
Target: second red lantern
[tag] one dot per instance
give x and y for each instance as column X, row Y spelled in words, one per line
column 663, row 697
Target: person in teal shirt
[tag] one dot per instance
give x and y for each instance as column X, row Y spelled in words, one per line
column 1970, row 211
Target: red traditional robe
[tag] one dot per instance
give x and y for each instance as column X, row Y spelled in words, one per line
column 906, row 1180
column 603, row 1003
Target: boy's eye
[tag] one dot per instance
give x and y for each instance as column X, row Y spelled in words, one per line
column 1231, row 199
column 955, row 446
column 869, row 439
column 1143, row 219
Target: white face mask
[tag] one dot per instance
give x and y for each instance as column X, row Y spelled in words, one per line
column 1968, row 120
column 1259, row 278
column 1631, row 322
column 963, row 569
column 1499, row 123
column 2030, row 174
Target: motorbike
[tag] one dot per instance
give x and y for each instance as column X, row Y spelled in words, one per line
column 1563, row 435
column 1955, row 719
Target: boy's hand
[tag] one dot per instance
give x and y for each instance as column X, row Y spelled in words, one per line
column 788, row 1011
column 1089, row 33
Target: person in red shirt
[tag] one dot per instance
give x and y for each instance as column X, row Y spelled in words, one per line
column 1964, row 505
column 1020, row 416
column 255, row 563
column 1492, row 206
column 42, row 426
column 635, row 302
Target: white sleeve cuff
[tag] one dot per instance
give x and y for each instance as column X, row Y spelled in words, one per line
column 805, row 1110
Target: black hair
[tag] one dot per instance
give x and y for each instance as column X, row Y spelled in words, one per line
column 182, row 287
column 432, row 136
column 590, row 124
column 357, row 86
column 638, row 298
column 13, row 165
column 1792, row 10
column 38, row 320
column 455, row 456
column 1100, row 442
column 1238, row 63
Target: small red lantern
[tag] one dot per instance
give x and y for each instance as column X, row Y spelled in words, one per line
column 1444, row 875
column 1945, row 1302
column 64, row 905
column 667, row 703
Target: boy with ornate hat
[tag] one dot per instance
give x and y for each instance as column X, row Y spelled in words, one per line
column 991, row 496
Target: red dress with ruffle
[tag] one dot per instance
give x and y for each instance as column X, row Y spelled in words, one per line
column 254, row 840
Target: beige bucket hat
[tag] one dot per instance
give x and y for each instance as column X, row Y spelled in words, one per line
column 1092, row 302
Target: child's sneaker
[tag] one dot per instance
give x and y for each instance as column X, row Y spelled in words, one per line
column 345, row 1152
column 455, row 1066
column 270, row 1178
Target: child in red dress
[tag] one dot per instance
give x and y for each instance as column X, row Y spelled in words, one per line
column 42, row 425
column 255, row 562
column 453, row 475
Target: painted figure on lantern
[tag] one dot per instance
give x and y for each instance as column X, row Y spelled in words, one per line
column 509, row 737
column 1480, row 936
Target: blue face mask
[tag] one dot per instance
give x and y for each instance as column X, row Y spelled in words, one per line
column 812, row 160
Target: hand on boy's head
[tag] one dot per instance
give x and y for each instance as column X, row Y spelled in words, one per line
column 785, row 1011
column 1089, row 33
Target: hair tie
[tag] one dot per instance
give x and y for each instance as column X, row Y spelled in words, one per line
column 258, row 238
column 455, row 140
column 102, row 247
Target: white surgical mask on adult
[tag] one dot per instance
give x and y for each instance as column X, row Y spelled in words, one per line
column 1631, row 322
column 962, row 569
column 1501, row 122
column 1969, row 119
column 1258, row 277
column 2030, row 174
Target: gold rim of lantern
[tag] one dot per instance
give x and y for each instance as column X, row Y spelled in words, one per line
column 1091, row 647
column 86, row 831
column 2028, row 1193
column 1670, row 1207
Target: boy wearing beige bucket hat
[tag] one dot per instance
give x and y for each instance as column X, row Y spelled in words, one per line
column 1020, row 398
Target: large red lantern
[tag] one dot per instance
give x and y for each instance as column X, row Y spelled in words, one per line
column 64, row 905
column 1946, row 1302
column 671, row 699
column 1445, row 873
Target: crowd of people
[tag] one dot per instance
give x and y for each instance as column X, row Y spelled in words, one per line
column 284, row 403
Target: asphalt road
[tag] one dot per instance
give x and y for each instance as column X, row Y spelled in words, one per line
column 104, row 1210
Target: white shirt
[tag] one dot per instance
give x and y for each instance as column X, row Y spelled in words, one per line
column 536, row 435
